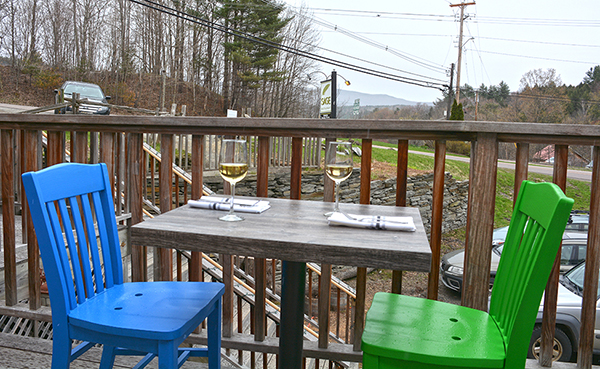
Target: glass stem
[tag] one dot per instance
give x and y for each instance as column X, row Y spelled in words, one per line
column 232, row 196
column 336, row 208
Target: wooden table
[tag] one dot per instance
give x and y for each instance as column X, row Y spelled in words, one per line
column 295, row 232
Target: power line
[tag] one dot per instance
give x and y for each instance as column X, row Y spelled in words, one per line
column 411, row 58
column 484, row 19
column 195, row 19
column 540, row 58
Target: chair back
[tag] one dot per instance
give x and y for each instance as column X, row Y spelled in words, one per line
column 534, row 236
column 72, row 209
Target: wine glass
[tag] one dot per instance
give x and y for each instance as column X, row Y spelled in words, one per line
column 338, row 167
column 233, row 167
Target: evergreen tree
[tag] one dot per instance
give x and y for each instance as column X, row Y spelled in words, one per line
column 251, row 63
column 457, row 112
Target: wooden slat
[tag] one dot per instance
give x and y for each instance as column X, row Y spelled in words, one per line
column 561, row 159
column 81, row 145
column 359, row 311
column 588, row 307
column 135, row 176
column 402, row 173
column 365, row 171
column 163, row 268
column 328, row 184
column 8, row 217
column 324, row 305
column 55, row 147
column 107, row 155
column 262, row 170
column 296, row 169
column 33, row 252
column 260, row 280
column 228, row 297
column 437, row 208
column 481, row 213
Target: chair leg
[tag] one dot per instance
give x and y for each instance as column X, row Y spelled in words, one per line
column 214, row 337
column 167, row 355
column 61, row 348
column 108, row 357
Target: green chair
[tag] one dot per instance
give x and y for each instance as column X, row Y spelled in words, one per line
column 410, row 332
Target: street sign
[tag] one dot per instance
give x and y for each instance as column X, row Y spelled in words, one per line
column 326, row 97
column 356, row 107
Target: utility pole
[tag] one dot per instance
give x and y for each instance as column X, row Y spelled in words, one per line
column 450, row 93
column 460, row 44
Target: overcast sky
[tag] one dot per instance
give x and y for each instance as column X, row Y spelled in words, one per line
column 502, row 41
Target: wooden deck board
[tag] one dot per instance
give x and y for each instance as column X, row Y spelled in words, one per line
column 18, row 352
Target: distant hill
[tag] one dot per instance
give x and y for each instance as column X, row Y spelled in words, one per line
column 346, row 98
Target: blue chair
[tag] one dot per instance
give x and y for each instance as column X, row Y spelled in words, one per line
column 73, row 213
column 410, row 332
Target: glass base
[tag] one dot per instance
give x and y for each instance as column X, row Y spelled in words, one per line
column 231, row 218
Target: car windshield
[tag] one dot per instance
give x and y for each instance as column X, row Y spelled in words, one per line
column 573, row 279
column 92, row 92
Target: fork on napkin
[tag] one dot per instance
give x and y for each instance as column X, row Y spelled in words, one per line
column 373, row 222
column 224, row 203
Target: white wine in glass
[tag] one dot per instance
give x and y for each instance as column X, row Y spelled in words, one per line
column 233, row 167
column 338, row 167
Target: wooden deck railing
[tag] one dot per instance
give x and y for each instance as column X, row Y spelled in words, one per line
column 21, row 151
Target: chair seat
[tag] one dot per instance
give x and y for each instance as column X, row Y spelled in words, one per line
column 404, row 329
column 150, row 310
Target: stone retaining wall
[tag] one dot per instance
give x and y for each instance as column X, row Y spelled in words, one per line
column 383, row 192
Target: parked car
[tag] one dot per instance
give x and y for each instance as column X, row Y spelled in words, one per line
column 568, row 318
column 573, row 251
column 90, row 91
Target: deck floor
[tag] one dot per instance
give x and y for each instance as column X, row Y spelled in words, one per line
column 18, row 352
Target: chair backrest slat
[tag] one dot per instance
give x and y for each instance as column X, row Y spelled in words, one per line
column 537, row 225
column 84, row 246
column 83, row 243
column 59, row 251
column 94, row 254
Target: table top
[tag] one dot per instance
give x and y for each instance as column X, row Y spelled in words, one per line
column 292, row 230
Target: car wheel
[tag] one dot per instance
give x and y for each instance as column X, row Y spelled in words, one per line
column 562, row 349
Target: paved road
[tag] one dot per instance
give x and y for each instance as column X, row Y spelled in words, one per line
column 581, row 175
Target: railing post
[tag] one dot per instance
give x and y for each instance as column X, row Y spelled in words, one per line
column 8, row 218
column 361, row 273
column 437, row 208
column 33, row 252
column 136, row 180
column 197, row 181
column 521, row 167
column 561, row 159
column 365, row 171
column 401, row 184
column 163, row 262
column 482, row 199
column 588, row 306
column 260, row 264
